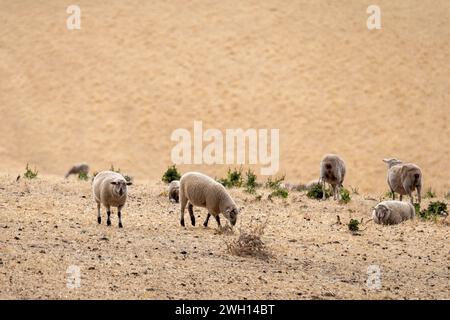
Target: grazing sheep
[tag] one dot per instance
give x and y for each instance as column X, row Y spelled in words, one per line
column 332, row 170
column 110, row 189
column 174, row 191
column 77, row 169
column 393, row 212
column 197, row 189
column 403, row 178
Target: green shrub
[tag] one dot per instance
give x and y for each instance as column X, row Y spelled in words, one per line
column 435, row 208
column 83, row 176
column 171, row 174
column 279, row 192
column 29, row 173
column 316, row 192
column 250, row 182
column 274, row 183
column 233, row 179
column 388, row 194
column 430, row 193
column 345, row 195
column 353, row 225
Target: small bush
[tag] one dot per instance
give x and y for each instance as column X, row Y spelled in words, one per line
column 249, row 242
column 388, row 194
column 280, row 192
column 353, row 225
column 250, row 182
column 233, row 179
column 430, row 193
column 29, row 173
column 345, row 195
column 83, row 176
column 274, row 183
column 171, row 174
column 316, row 192
column 434, row 209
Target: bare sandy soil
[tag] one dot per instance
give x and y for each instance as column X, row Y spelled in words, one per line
column 114, row 91
column 49, row 224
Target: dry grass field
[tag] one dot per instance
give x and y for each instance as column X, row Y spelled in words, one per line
column 48, row 224
column 114, row 91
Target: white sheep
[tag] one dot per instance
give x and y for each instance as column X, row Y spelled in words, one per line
column 332, row 171
column 197, row 189
column 393, row 212
column 174, row 191
column 403, row 178
column 77, row 169
column 110, row 189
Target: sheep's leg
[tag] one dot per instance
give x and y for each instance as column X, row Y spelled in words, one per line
column 183, row 206
column 323, row 190
column 335, row 192
column 99, row 217
column 401, row 197
column 191, row 213
column 218, row 220
column 393, row 194
column 419, row 197
column 108, row 212
column 119, row 214
column 205, row 224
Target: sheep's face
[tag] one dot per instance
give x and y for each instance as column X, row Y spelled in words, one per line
column 392, row 162
column 120, row 187
column 381, row 212
column 231, row 214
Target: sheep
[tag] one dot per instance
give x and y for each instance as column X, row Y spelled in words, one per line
column 403, row 178
column 393, row 212
column 174, row 191
column 110, row 189
column 197, row 189
column 332, row 170
column 77, row 169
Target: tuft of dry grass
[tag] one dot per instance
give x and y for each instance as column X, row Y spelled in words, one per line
column 249, row 242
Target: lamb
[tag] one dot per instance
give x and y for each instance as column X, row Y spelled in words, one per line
column 197, row 189
column 77, row 169
column 403, row 178
column 332, row 170
column 393, row 212
column 110, row 189
column 174, row 191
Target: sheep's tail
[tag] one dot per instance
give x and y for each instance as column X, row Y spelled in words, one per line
column 416, row 179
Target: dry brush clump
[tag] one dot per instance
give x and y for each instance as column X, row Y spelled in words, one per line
column 249, row 242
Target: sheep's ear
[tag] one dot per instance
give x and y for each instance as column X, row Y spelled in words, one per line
column 129, row 183
column 113, row 182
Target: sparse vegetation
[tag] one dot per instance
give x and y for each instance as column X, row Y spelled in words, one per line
column 125, row 176
column 83, row 176
column 274, row 183
column 250, row 182
column 345, row 195
column 435, row 209
column 316, row 192
column 355, row 190
column 280, row 192
column 29, row 173
column 233, row 179
column 171, row 174
column 388, row 195
column 249, row 242
column 353, row 225
column 430, row 193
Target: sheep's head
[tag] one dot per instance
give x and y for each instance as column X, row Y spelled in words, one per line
column 120, row 186
column 231, row 214
column 392, row 162
column 381, row 212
